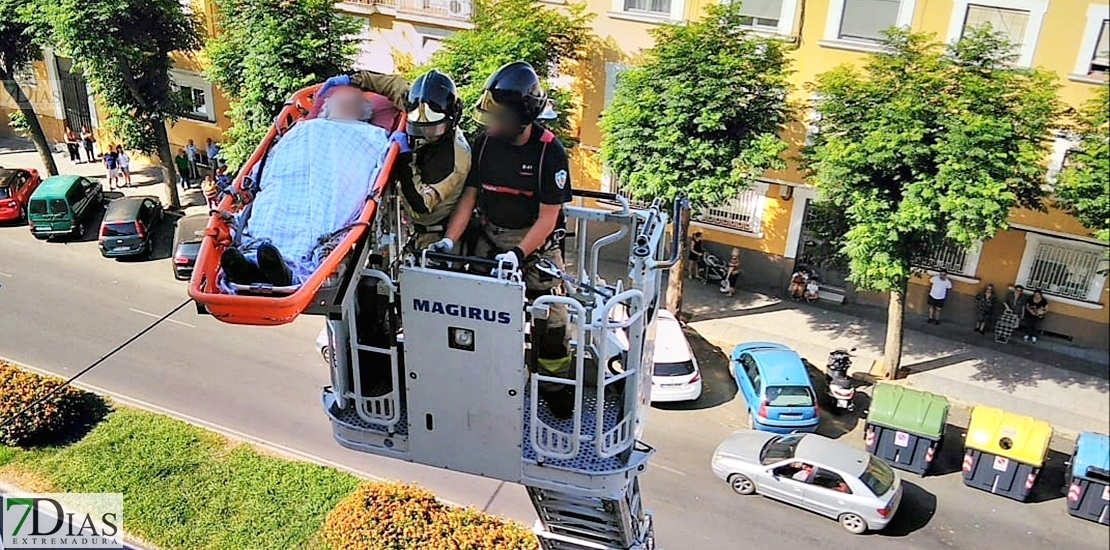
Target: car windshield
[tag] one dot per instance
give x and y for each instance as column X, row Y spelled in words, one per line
column 189, row 250
column 877, row 476
column 682, row 368
column 125, row 229
column 37, row 207
column 789, row 396
column 779, row 448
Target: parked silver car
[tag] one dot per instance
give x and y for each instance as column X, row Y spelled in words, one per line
column 812, row 472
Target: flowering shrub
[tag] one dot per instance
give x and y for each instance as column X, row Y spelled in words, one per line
column 50, row 421
column 396, row 516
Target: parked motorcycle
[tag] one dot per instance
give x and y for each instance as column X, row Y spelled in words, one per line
column 842, row 391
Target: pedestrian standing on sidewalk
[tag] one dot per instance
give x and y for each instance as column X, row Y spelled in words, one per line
column 732, row 276
column 111, row 163
column 211, row 193
column 124, row 165
column 1035, row 310
column 87, row 140
column 696, row 258
column 182, row 163
column 938, row 293
column 73, row 145
column 191, row 152
column 984, row 308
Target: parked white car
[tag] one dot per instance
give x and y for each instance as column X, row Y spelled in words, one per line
column 675, row 375
column 323, row 346
column 814, row 473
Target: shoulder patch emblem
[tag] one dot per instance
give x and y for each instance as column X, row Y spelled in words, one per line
column 561, row 179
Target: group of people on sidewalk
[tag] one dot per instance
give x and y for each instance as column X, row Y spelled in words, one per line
column 702, row 265
column 117, row 163
column 1018, row 309
column 190, row 161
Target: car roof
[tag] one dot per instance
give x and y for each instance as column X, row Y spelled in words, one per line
column 56, row 185
column 6, row 175
column 833, row 454
column 781, row 367
column 124, row 209
column 188, row 228
column 670, row 341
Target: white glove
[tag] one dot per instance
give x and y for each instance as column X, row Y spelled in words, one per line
column 508, row 262
column 443, row 246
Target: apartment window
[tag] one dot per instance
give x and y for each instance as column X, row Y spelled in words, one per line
column 865, row 20
column 649, row 10
column 612, row 73
column 1063, row 268
column 654, row 7
column 1020, row 20
column 953, row 258
column 198, row 94
column 1093, row 64
column 1062, row 147
column 744, row 212
column 773, row 16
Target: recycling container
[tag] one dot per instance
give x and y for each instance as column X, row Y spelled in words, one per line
column 1089, row 478
column 905, row 427
column 1004, row 452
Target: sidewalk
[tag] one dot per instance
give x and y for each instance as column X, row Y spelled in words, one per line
column 1070, row 393
column 146, row 179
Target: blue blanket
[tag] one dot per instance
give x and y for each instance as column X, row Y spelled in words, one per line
column 314, row 185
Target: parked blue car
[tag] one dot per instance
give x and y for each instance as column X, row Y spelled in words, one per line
column 776, row 386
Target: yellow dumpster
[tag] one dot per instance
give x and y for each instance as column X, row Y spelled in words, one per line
column 1004, row 452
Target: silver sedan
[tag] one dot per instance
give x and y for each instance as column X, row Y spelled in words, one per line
column 812, row 472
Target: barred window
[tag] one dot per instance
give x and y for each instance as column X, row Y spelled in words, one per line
column 955, row 259
column 1066, row 269
column 610, row 184
column 742, row 213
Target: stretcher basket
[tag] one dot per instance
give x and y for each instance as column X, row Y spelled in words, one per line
column 279, row 307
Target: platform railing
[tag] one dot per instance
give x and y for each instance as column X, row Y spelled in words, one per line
column 619, row 438
column 383, row 410
column 548, row 441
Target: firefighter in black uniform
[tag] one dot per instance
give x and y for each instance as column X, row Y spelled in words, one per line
column 431, row 177
column 515, row 193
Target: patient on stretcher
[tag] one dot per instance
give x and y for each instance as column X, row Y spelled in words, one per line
column 314, row 184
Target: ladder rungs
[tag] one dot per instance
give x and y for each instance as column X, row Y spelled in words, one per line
column 385, row 351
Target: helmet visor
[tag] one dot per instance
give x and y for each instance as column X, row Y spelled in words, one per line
column 426, row 130
column 495, row 114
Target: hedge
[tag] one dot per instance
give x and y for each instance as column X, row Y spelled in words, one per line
column 397, row 516
column 62, row 416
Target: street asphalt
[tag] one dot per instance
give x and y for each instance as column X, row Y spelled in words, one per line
column 63, row 307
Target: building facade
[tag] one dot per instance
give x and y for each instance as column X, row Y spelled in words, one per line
column 770, row 222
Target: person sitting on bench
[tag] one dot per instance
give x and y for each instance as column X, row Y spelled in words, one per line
column 312, row 187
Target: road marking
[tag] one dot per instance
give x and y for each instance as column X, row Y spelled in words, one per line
column 665, row 469
column 219, row 428
column 8, row 275
column 148, row 314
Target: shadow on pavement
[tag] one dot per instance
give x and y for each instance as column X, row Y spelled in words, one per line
column 1052, row 481
column 718, row 386
column 914, row 513
column 834, row 422
column 950, row 456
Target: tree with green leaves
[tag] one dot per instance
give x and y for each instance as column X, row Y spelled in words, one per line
column 1083, row 187
column 265, row 51
column 514, row 30
column 698, row 116
column 124, row 49
column 18, row 51
column 928, row 145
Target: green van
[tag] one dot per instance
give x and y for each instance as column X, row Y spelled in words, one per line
column 62, row 205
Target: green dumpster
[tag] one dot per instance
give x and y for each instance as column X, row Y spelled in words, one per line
column 905, row 427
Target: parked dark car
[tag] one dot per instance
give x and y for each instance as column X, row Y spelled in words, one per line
column 186, row 244
column 128, row 225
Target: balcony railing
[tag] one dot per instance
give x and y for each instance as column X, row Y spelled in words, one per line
column 459, row 10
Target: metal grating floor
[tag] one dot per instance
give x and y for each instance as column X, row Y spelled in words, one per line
column 350, row 416
column 587, row 459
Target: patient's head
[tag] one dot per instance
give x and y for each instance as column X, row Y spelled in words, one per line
column 346, row 103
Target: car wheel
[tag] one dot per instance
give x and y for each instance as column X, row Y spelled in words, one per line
column 853, row 523
column 742, row 484
column 326, row 353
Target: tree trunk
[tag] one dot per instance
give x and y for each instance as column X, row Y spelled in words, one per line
column 32, row 118
column 892, row 351
column 165, row 158
column 676, row 281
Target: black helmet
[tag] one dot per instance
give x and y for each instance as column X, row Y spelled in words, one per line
column 512, row 93
column 433, row 105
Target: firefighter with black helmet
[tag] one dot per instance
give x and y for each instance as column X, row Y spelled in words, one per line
column 435, row 154
column 515, row 193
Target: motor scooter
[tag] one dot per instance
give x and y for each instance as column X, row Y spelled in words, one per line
column 841, row 390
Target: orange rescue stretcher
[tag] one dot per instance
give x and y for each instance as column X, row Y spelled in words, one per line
column 276, row 309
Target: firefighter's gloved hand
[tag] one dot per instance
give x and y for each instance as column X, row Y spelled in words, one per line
column 508, row 262
column 340, row 80
column 401, row 139
column 443, row 246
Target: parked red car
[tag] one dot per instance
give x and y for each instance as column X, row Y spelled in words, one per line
column 16, row 186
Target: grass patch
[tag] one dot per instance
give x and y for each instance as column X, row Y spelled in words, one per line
column 187, row 488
